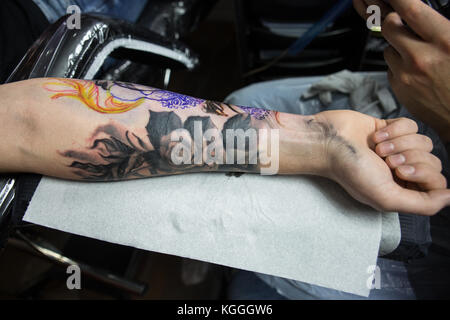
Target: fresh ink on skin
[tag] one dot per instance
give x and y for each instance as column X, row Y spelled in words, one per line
column 215, row 108
column 116, row 101
column 116, row 152
column 170, row 100
column 259, row 114
column 87, row 92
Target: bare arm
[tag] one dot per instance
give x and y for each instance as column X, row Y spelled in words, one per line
column 105, row 131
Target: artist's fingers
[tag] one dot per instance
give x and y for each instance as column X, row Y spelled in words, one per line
column 395, row 128
column 424, row 20
column 403, row 143
column 399, row 37
column 423, row 174
column 410, row 157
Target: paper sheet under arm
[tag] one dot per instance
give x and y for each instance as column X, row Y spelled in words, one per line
column 301, row 228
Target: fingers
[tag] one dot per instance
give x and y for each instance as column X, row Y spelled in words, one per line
column 408, row 154
column 419, row 167
column 399, row 135
column 403, row 143
column 395, row 128
column 423, row 19
column 398, row 35
column 411, row 157
column 423, row 174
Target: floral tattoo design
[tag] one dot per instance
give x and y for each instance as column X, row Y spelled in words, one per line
column 170, row 100
column 120, row 97
column 257, row 113
column 117, row 153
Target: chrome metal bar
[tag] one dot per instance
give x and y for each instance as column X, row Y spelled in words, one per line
column 39, row 250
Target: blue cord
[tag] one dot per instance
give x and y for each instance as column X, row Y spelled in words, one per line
column 330, row 16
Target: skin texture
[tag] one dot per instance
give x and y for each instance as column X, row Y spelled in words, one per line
column 105, row 131
column 418, row 58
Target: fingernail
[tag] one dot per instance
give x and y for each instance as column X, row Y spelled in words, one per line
column 385, row 148
column 406, row 170
column 381, row 136
column 398, row 159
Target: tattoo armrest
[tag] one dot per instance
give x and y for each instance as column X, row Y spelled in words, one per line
column 80, row 53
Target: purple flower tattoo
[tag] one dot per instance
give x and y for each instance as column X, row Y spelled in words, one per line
column 259, row 114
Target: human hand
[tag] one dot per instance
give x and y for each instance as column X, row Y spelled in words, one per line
column 385, row 163
column 418, row 58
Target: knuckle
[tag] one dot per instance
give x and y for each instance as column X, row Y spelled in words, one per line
column 413, row 156
column 405, row 79
column 412, row 124
column 422, row 62
column 388, row 22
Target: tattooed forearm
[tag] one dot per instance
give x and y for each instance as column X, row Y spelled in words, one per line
column 117, row 153
column 182, row 134
column 110, row 131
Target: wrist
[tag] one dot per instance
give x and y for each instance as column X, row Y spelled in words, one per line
column 303, row 145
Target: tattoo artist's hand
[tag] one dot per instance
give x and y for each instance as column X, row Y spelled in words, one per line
column 390, row 167
column 418, row 58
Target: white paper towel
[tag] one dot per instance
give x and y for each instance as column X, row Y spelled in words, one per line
column 302, row 228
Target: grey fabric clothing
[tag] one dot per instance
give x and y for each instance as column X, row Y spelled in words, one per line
column 366, row 94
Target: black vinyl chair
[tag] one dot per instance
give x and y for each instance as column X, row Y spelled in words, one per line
column 265, row 28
